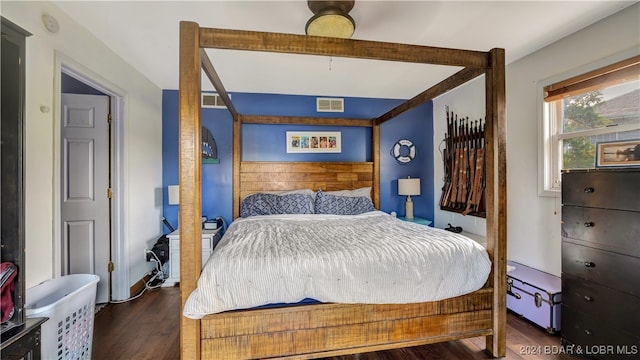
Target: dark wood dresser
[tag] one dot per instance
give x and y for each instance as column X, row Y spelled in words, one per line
column 601, row 262
column 23, row 342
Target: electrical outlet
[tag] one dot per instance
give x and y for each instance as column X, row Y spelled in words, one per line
column 147, row 256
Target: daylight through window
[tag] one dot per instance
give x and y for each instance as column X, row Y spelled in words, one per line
column 600, row 106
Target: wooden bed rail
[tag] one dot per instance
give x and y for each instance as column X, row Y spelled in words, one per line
column 324, row 330
column 318, row 45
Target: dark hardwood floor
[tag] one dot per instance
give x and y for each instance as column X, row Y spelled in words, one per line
column 148, row 328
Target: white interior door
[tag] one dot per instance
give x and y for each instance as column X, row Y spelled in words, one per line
column 85, row 181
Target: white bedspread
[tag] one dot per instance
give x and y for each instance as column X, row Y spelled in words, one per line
column 369, row 258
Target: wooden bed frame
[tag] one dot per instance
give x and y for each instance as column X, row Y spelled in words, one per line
column 312, row 331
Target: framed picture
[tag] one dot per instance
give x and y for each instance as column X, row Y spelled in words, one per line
column 618, row 153
column 314, row 142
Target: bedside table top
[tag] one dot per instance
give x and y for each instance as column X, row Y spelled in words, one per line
column 417, row 220
column 204, row 232
column 477, row 238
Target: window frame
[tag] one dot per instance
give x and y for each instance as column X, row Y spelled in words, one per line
column 550, row 126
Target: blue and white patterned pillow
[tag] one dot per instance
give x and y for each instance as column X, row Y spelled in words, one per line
column 271, row 204
column 342, row 205
column 365, row 191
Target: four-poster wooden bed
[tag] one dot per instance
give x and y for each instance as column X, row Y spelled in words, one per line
column 319, row 330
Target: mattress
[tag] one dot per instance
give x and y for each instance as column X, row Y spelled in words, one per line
column 370, row 258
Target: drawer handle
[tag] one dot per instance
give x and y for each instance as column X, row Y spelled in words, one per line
column 589, row 264
column 588, row 298
column 589, row 224
column 588, row 332
column 589, row 190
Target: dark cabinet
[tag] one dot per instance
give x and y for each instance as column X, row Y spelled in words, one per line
column 20, row 336
column 601, row 262
column 24, row 343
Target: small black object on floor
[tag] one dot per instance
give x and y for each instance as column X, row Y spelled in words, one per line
column 456, row 229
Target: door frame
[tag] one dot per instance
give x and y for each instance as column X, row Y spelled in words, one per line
column 119, row 242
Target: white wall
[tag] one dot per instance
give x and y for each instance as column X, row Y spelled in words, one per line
column 465, row 101
column 141, row 166
column 533, row 224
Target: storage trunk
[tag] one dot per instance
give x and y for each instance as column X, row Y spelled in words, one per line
column 535, row 295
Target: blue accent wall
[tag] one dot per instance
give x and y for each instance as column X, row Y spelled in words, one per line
column 415, row 125
column 267, row 143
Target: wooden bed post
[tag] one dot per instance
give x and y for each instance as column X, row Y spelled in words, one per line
column 237, row 157
column 496, row 196
column 190, row 178
column 375, row 157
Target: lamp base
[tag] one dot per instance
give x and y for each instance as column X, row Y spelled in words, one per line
column 408, row 208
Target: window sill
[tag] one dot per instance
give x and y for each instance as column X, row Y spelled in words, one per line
column 549, row 193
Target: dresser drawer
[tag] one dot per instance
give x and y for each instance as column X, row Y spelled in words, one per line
column 603, row 267
column 606, row 189
column 603, row 229
column 597, row 338
column 617, row 309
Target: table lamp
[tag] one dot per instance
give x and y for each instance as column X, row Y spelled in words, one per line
column 409, row 187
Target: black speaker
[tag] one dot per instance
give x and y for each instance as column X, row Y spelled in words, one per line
column 160, row 249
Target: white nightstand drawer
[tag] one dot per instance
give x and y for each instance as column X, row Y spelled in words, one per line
column 210, row 239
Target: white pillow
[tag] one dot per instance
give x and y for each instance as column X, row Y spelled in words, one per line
column 362, row 192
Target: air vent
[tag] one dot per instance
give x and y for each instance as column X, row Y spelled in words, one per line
column 213, row 100
column 329, row 105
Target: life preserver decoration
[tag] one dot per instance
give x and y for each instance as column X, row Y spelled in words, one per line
column 404, row 151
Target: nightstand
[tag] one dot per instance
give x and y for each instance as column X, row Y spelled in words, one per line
column 416, row 220
column 477, row 238
column 210, row 239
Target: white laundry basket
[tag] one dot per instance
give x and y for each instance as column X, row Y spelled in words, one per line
column 69, row 303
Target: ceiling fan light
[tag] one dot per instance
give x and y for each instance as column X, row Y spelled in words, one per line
column 331, row 19
column 331, row 25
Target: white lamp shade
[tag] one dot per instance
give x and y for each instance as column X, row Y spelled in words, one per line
column 409, row 186
column 174, row 194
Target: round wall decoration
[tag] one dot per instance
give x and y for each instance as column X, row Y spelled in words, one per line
column 404, row 151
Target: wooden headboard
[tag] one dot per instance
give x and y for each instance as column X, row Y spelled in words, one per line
column 276, row 176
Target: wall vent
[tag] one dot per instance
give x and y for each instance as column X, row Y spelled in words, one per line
column 213, row 100
column 329, row 105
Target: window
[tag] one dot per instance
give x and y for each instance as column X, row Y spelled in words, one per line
column 601, row 105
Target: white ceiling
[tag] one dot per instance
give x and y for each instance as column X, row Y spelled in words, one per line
column 145, row 34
